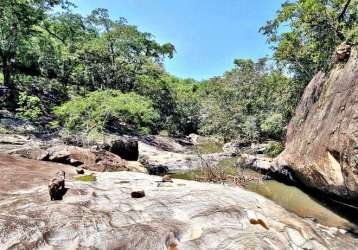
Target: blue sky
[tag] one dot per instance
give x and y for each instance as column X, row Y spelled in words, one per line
column 208, row 34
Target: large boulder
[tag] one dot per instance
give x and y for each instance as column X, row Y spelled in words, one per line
column 91, row 159
column 126, row 148
column 185, row 215
column 322, row 138
column 258, row 163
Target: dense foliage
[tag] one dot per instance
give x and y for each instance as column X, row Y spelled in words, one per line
column 305, row 33
column 251, row 102
column 93, row 73
column 108, row 109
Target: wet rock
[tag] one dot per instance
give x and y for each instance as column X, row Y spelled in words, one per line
column 99, row 215
column 322, row 140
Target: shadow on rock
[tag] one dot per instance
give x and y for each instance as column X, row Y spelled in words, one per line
column 58, row 196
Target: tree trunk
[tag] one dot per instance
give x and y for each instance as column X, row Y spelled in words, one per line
column 8, row 82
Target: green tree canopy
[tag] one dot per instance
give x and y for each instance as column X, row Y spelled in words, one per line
column 305, row 33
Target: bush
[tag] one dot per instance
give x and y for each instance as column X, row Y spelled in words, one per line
column 29, row 107
column 106, row 109
column 4, row 130
column 273, row 149
column 273, row 126
column 249, row 103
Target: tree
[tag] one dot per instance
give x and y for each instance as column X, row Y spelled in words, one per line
column 18, row 19
column 249, row 103
column 108, row 109
column 120, row 53
column 305, row 33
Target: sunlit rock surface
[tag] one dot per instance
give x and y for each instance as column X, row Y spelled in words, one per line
column 174, row 161
column 322, row 138
column 183, row 214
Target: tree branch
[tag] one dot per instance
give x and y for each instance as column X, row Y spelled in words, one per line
column 52, row 34
column 341, row 16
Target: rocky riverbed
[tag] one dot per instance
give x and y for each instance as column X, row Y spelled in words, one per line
column 98, row 212
column 181, row 215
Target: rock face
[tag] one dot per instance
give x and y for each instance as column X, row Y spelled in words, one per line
column 182, row 215
column 126, row 148
column 322, row 138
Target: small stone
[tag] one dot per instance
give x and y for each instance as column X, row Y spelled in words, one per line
column 137, row 194
column 80, row 171
column 167, row 178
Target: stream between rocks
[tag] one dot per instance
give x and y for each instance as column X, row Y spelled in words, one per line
column 289, row 197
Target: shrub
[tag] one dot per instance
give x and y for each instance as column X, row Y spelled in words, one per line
column 105, row 109
column 273, row 149
column 29, row 107
column 4, row 130
column 273, row 126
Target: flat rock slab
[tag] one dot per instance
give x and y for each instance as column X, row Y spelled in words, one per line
column 175, row 161
column 184, row 214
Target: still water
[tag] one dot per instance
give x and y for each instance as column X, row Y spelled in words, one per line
column 298, row 202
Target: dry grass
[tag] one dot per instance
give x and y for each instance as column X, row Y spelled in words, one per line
column 224, row 174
